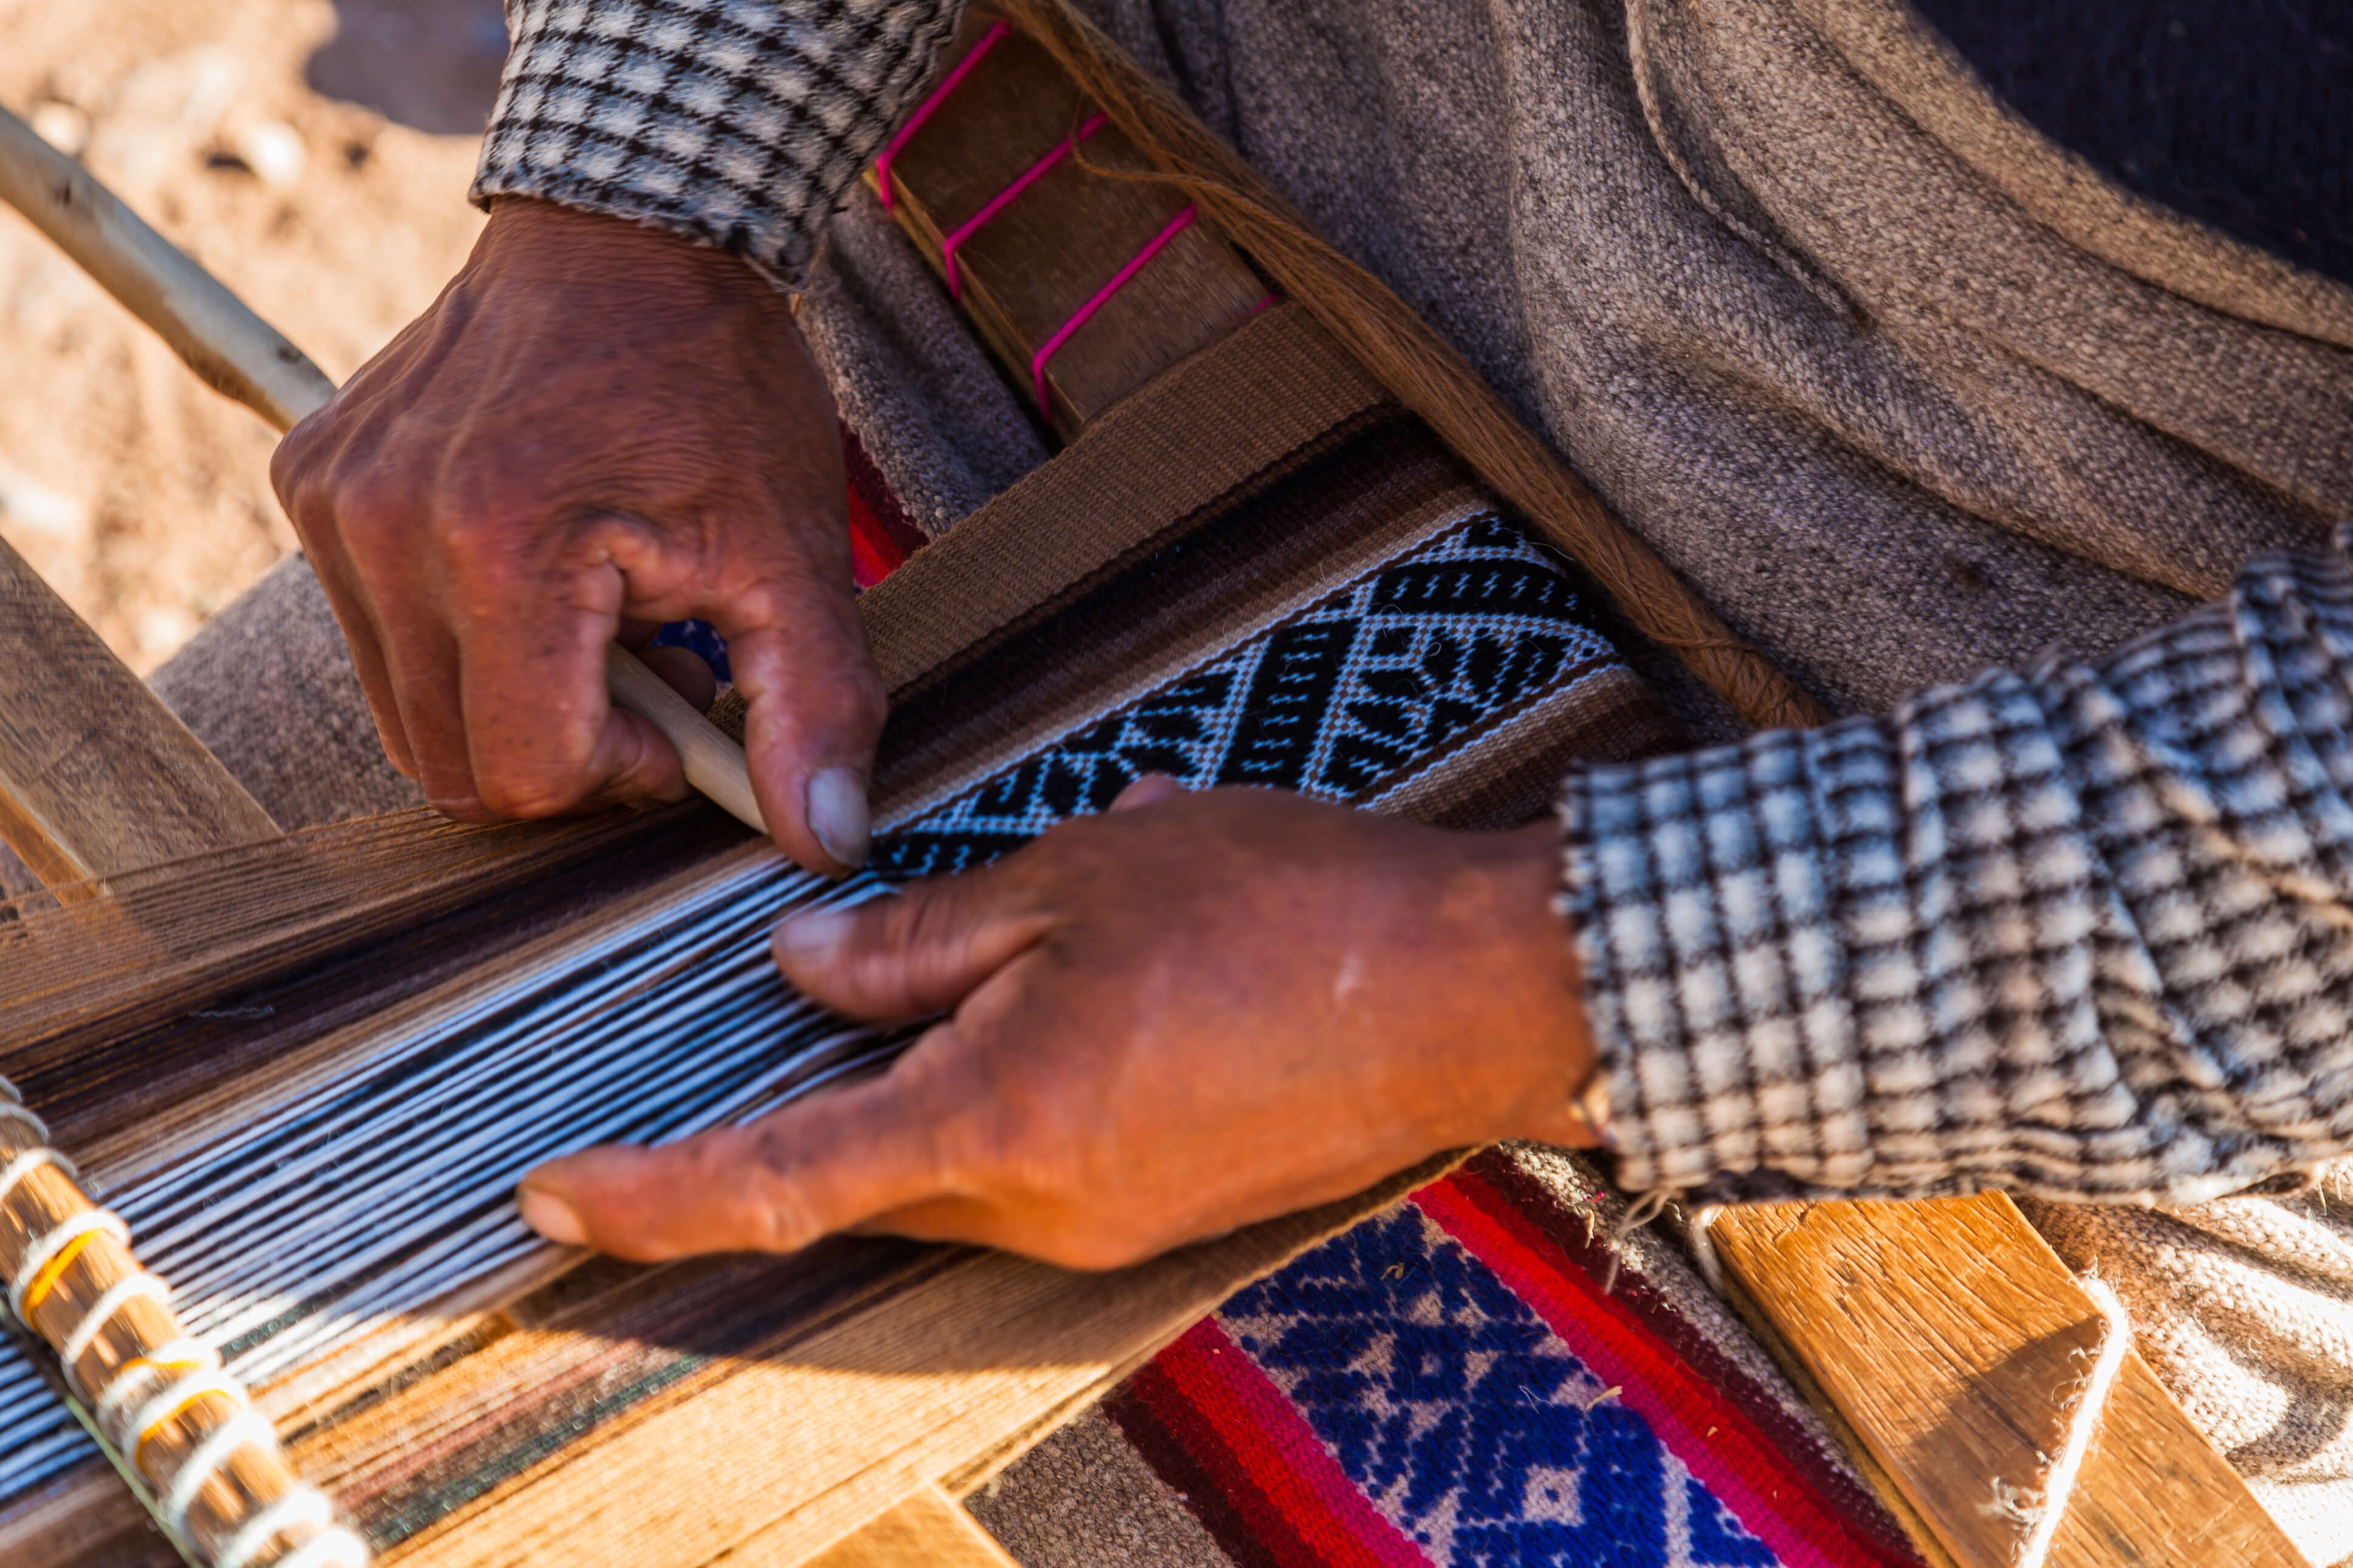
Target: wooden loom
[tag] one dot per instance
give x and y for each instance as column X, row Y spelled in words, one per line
column 1939, row 1335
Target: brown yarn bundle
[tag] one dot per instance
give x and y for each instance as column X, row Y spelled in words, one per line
column 1420, row 368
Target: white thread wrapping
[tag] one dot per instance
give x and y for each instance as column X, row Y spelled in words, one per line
column 14, row 1110
column 8, row 1090
column 304, row 1508
column 211, row 1452
column 2059, row 1486
column 108, row 1303
column 64, row 1234
column 175, row 1396
column 338, row 1547
column 196, row 1355
column 31, row 1160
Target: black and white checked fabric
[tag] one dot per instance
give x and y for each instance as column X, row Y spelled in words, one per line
column 735, row 123
column 2087, row 933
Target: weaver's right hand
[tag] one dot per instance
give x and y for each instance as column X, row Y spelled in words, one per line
column 597, row 426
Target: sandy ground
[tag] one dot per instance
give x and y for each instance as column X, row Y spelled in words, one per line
column 315, row 157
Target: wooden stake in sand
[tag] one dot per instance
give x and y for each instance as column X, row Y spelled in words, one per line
column 241, row 356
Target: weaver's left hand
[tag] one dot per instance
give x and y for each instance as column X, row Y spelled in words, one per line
column 1190, row 1012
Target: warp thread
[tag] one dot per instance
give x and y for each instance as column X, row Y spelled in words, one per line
column 2093, row 1390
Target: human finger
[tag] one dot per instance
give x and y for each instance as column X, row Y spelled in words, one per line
column 774, row 1184
column 541, row 734
column 685, row 671
column 814, row 710
column 364, row 639
column 919, row 951
column 421, row 667
column 1149, row 790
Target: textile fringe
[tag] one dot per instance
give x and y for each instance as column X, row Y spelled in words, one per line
column 1417, row 366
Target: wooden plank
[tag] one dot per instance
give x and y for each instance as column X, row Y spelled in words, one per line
column 927, row 1529
column 1950, row 1338
column 97, row 776
column 1044, row 255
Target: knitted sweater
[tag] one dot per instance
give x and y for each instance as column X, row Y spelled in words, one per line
column 2085, row 931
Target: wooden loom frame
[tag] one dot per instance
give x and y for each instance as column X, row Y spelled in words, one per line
column 1939, row 1335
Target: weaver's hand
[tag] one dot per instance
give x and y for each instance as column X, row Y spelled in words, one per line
column 594, row 423
column 1167, row 1021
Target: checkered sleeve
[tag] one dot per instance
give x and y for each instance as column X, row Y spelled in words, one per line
column 735, row 123
column 2086, row 934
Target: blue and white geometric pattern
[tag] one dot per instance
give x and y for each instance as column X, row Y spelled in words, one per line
column 1385, row 675
column 1469, row 1424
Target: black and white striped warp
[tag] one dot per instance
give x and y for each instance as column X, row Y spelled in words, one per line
column 735, row 123
column 387, row 1185
column 384, row 1187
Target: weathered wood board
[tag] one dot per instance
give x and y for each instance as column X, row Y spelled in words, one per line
column 97, row 775
column 1950, row 1339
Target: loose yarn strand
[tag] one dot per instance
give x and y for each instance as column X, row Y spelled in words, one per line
column 2059, row 1486
column 1639, row 1213
column 1404, row 355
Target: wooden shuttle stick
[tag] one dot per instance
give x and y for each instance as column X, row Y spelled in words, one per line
column 238, row 354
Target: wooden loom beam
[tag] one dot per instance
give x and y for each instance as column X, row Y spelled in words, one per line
column 97, row 776
column 1044, row 255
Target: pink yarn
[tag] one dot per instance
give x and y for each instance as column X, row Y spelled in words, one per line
column 924, row 110
column 1176, row 225
column 998, row 202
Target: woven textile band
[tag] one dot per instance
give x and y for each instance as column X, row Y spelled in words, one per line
column 1003, row 198
column 929, row 106
column 1103, row 296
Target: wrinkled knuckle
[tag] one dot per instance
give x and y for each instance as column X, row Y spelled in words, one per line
column 971, row 1153
column 777, row 1208
column 369, row 511
column 767, row 602
column 923, row 925
column 290, row 466
column 477, row 544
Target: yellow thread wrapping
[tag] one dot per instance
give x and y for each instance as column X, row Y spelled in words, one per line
column 177, row 1363
column 53, row 1270
column 138, row 1444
